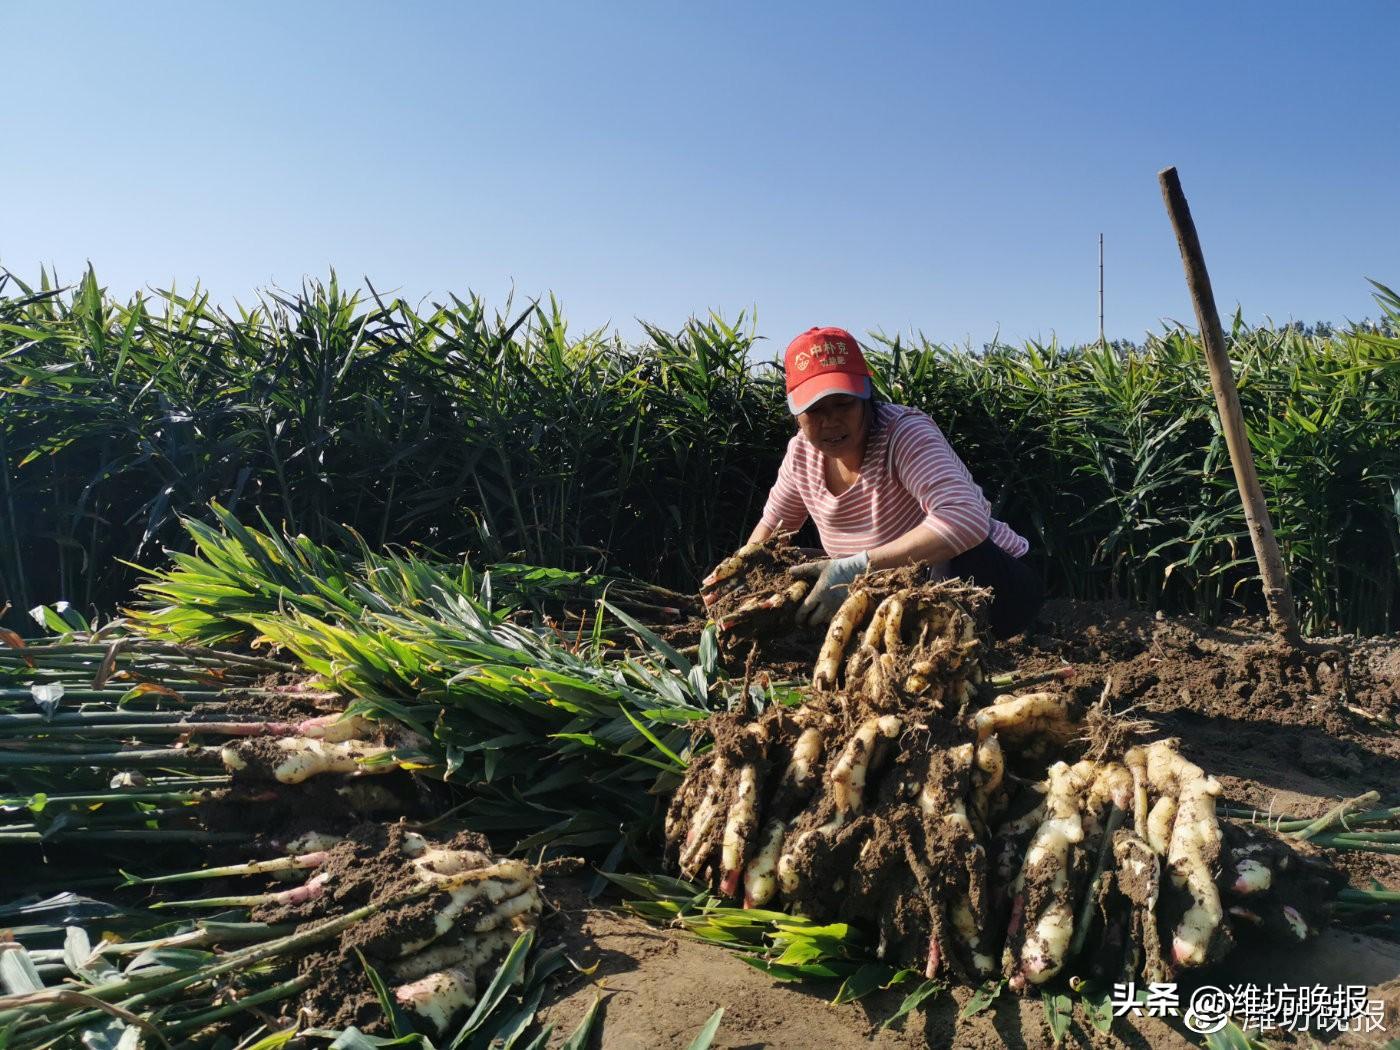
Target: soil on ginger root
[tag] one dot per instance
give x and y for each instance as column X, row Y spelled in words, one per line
column 767, row 639
column 289, row 707
column 368, row 866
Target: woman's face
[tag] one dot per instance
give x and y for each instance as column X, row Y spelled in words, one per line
column 835, row 424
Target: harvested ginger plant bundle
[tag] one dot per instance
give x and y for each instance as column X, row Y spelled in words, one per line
column 333, row 744
column 751, row 596
column 1060, row 894
column 1082, row 804
column 985, row 841
column 328, row 773
column 875, row 802
column 1277, row 888
column 1131, row 872
column 432, row 918
column 447, row 912
column 1173, row 812
column 849, row 809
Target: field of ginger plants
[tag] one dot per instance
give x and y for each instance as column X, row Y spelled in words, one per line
column 509, row 434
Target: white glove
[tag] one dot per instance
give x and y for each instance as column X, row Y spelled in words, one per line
column 833, row 579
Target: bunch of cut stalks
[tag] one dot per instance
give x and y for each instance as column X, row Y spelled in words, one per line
column 340, row 752
column 131, row 769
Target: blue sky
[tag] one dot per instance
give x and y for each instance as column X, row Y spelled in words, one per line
column 939, row 167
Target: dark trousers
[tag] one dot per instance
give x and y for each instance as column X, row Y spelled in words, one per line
column 1016, row 591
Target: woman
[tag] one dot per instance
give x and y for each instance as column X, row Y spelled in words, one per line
column 884, row 488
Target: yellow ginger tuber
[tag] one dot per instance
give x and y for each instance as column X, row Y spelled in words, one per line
column 848, row 775
column 894, row 622
column 307, row 757
column 437, row 863
column 843, row 627
column 1136, row 761
column 336, row 728
column 1016, row 718
column 439, row 997
column 743, row 820
column 1048, row 913
column 1113, row 785
column 503, row 881
column 732, row 566
column 471, row 950
column 1159, row 824
column 1193, row 849
column 990, row 766
column 311, row 842
column 761, row 875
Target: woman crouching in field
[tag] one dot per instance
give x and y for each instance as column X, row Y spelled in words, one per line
column 885, row 489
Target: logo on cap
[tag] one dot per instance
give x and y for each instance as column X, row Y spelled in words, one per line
column 831, row 354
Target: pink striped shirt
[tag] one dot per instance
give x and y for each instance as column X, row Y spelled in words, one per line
column 911, row 476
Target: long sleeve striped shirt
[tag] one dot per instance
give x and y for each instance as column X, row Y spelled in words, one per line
column 910, row 476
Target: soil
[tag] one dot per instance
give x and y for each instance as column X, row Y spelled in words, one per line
column 1240, row 701
column 1286, row 733
column 279, row 700
column 659, row 988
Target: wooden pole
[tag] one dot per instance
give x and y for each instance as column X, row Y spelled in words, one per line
column 1282, row 614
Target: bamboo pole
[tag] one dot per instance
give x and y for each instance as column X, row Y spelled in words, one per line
column 1282, row 614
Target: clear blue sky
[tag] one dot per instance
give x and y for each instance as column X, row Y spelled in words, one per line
column 943, row 167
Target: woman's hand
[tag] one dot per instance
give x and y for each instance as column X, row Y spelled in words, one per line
column 833, row 580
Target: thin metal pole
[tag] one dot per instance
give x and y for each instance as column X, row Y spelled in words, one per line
column 1101, row 338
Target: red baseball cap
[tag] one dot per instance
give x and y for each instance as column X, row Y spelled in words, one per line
column 821, row 362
